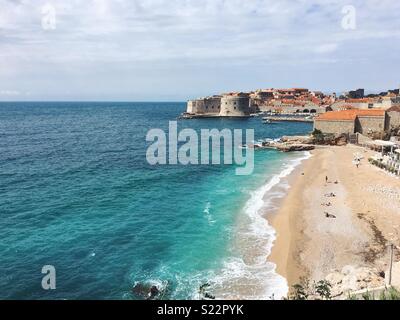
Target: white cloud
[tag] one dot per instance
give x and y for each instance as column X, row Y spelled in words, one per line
column 92, row 35
column 9, row 93
column 326, row 48
column 122, row 29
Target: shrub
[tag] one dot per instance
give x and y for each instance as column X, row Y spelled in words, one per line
column 317, row 132
column 323, row 289
column 299, row 293
column 390, row 294
column 303, row 290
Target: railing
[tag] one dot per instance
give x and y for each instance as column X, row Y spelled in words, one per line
column 392, row 165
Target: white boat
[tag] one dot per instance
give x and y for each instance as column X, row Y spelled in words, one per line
column 269, row 121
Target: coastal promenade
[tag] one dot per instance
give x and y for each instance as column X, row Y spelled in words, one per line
column 319, row 234
column 289, row 119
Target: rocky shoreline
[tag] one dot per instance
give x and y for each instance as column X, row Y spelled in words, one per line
column 303, row 143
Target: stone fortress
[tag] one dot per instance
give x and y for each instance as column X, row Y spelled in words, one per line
column 226, row 105
column 240, row 104
column 235, row 105
column 351, row 112
column 205, row 106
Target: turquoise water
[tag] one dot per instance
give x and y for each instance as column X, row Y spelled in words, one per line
column 76, row 192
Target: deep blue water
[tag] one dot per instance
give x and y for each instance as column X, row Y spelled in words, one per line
column 76, row 192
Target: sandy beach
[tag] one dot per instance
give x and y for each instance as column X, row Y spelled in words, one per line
column 319, row 234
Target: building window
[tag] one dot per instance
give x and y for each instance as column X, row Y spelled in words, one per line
column 234, row 108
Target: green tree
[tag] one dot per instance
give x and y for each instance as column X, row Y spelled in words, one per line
column 323, row 289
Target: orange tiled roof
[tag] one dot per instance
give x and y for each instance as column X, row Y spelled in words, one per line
column 350, row 114
column 315, row 100
column 363, row 100
column 292, row 102
column 347, row 107
column 395, row 108
column 300, row 89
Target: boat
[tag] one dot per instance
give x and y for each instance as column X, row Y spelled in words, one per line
column 269, row 121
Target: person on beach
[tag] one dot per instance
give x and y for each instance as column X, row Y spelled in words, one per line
column 328, row 215
column 326, row 179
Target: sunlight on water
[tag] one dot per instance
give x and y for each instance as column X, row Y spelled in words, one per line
column 77, row 193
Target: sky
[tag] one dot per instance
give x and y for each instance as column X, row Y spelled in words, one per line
column 174, row 50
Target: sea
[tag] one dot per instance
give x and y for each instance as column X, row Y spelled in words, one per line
column 77, row 193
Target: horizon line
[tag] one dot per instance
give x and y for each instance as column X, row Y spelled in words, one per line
column 98, row 101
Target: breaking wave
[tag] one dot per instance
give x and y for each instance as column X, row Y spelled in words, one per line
column 248, row 275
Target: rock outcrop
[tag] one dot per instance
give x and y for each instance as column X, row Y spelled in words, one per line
column 340, row 140
column 318, row 139
column 298, row 139
column 289, row 147
column 330, row 139
column 288, row 144
column 305, row 143
column 351, row 279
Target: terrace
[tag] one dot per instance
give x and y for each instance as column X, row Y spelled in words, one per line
column 389, row 156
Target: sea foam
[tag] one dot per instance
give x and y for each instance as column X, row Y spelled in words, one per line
column 248, row 275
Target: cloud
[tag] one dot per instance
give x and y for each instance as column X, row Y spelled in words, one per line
column 94, row 36
column 326, row 48
column 161, row 29
column 9, row 93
